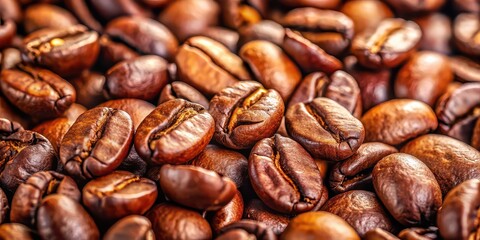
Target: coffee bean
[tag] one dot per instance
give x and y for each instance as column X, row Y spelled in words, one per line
column 16, row 231
column 4, row 208
column 239, row 13
column 436, row 33
column 8, row 127
column 133, row 227
column 258, row 211
column 89, row 89
column 476, row 135
column 250, row 228
column 8, row 28
column 182, row 90
column 10, row 58
column 467, row 6
column 54, row 130
column 264, row 30
column 356, row 10
column 113, row 51
column 466, row 33
column 136, row 108
column 416, row 6
column 419, row 233
column 108, row 10
column 84, row 14
column 328, row 4
column 228, row 214
column 465, row 69
column 380, row 234
column 40, row 16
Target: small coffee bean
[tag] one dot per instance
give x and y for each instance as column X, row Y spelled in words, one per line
column 228, row 214
column 182, row 90
column 258, row 211
column 466, row 33
column 133, row 227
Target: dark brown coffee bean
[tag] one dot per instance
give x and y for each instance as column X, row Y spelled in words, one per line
column 225, row 36
column 239, row 13
column 416, row 233
column 182, row 90
column 476, row 135
column 245, row 113
column 415, row 6
column 175, row 132
column 96, row 143
column 258, row 211
column 4, row 208
column 113, row 51
column 356, row 171
column 173, row 222
column 356, row 10
column 133, row 227
column 225, row 162
column 29, row 195
column 246, row 229
column 274, row 168
column 66, row 51
column 16, row 231
column 110, row 9
column 142, row 78
column 425, row 77
column 22, row 154
column 466, row 28
column 118, row 195
column 319, row 225
column 60, row 217
column 332, row 31
column 418, row 201
column 37, row 92
column 41, row 15
column 145, row 35
column 208, row 65
column 457, row 217
column 196, row 187
column 264, row 58
column 465, row 69
column 380, row 234
column 136, row 108
column 390, row 43
column 452, row 161
column 325, row 128
column 397, row 121
column 8, row 127
column 89, row 89
column 54, row 130
column 328, row 4
column 436, row 33
column 264, row 30
column 340, row 87
column 228, row 214
column 361, row 209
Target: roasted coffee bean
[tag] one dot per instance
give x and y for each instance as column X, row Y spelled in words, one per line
column 182, row 90
column 246, row 229
column 388, row 44
column 184, row 23
column 436, row 33
column 156, row 3
column 36, row 91
column 476, row 136
column 465, row 69
column 415, row 233
column 356, row 10
column 9, row 58
column 225, row 162
column 54, row 130
column 264, row 58
column 466, row 34
column 196, row 187
column 225, row 36
column 332, row 31
column 145, row 35
column 22, row 154
column 208, row 65
column 425, row 77
column 16, row 231
column 8, row 127
column 340, row 87
column 325, row 128
column 66, row 51
column 309, row 56
column 318, row 225
column 81, row 10
column 356, row 171
column 361, row 209
column 96, row 143
column 380, row 234
column 133, row 227
column 142, row 78
column 228, row 214
column 11, row 10
column 29, row 195
column 457, row 217
column 111, row 9
column 420, row 198
column 60, row 217
column 89, row 89
column 173, row 222
column 42, row 15
column 274, row 166
column 113, row 51
column 175, row 132
column 328, row 4
column 258, row 211
column 415, row 6
column 118, row 195
column 4, row 207
column 245, row 113
column 467, row 6
column 239, row 13
column 458, row 111
column 397, row 121
column 452, row 161
column 264, row 30
column 136, row 108
column 7, row 31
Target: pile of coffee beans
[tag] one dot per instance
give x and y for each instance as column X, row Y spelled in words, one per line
column 240, row 119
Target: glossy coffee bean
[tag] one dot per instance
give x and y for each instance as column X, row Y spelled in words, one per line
column 356, row 11
column 175, row 132
column 264, row 30
column 246, row 229
column 456, row 219
column 29, row 195
column 225, row 36
column 397, row 121
column 239, row 13
column 182, row 90
column 96, row 143
column 113, row 51
column 84, row 14
column 225, row 162
column 173, row 222
column 264, row 58
column 41, row 15
column 356, row 171
column 388, row 44
column 54, row 130
column 36, row 91
column 89, row 88
column 8, row 127
column 415, row 6
column 425, row 77
column 274, row 166
column 66, row 51
column 11, row 10
column 133, row 227
column 465, row 69
column 196, row 187
column 4, row 207
column 325, row 128
column 258, row 211
column 245, row 113
column 361, row 209
column 328, row 4
column 466, row 33
column 436, row 33
column 419, row 233
column 228, row 214
column 142, row 78
column 452, row 161
column 22, row 154
column 60, row 217
column 318, row 225
column 16, row 231
column 136, row 108
column 418, row 202
column 118, row 195
column 380, row 234
column 208, row 65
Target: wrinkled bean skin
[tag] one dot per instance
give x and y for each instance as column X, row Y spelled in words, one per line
column 133, row 227
column 452, row 161
column 196, row 187
column 258, row 211
column 418, row 201
column 182, row 90
column 186, row 124
column 8, row 127
column 16, row 231
column 396, row 121
column 228, row 214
